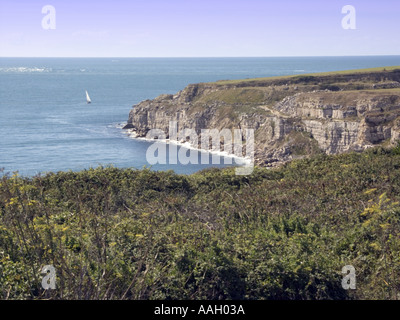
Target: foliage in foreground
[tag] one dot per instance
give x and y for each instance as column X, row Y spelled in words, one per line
column 137, row 234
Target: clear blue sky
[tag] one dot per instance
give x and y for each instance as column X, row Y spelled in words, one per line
column 206, row 28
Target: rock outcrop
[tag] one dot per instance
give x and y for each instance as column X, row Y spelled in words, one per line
column 292, row 117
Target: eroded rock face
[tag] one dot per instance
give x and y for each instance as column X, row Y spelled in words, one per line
column 291, row 116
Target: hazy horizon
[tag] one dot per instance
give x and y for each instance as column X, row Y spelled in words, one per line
column 188, row 29
column 201, row 57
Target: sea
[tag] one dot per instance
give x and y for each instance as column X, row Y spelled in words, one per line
column 46, row 124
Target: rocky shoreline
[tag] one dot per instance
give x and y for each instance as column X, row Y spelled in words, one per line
column 238, row 160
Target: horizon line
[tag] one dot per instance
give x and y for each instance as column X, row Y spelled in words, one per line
column 203, row 57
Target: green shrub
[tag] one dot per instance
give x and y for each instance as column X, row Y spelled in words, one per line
column 137, row 234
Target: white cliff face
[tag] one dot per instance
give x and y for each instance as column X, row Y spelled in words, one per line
column 289, row 121
column 354, row 125
column 334, row 136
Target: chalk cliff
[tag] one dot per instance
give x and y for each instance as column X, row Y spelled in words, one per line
column 292, row 117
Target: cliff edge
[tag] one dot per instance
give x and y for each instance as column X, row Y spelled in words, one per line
column 292, row 117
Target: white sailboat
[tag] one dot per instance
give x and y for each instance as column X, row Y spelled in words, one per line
column 88, row 98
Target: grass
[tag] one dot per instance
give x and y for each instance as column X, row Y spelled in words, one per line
column 350, row 97
column 302, row 144
column 395, row 91
column 248, row 96
column 319, row 74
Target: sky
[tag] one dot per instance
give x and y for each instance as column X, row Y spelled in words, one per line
column 206, row 28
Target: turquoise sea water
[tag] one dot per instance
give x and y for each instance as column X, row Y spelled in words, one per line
column 46, row 125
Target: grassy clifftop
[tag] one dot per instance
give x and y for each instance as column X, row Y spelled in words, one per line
column 369, row 73
column 135, row 234
column 273, row 89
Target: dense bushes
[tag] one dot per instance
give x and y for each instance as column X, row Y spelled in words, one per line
column 137, row 234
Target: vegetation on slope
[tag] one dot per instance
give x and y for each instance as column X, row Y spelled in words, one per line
column 136, row 234
column 342, row 87
column 315, row 77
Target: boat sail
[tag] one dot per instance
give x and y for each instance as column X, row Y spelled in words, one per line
column 88, row 98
